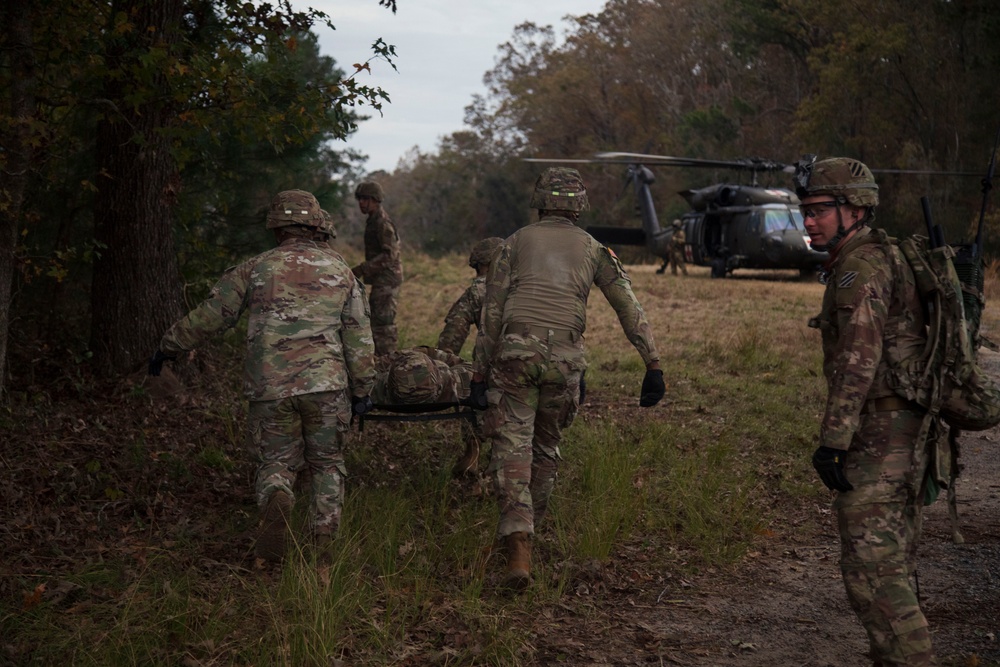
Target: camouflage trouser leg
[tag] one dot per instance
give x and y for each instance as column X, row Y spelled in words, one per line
column 536, row 387
column 383, row 303
column 879, row 523
column 292, row 433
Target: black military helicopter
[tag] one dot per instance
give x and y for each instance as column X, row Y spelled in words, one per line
column 730, row 226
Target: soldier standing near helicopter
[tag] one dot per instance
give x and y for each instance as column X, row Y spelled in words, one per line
column 531, row 346
column 873, row 450
column 677, row 241
column 382, row 269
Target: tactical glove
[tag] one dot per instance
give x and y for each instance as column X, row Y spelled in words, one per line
column 156, row 362
column 829, row 463
column 583, row 386
column 361, row 405
column 477, row 395
column 653, row 388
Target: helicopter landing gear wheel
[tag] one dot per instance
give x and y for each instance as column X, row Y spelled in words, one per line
column 718, row 268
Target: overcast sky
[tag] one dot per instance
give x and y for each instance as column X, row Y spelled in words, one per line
column 443, row 48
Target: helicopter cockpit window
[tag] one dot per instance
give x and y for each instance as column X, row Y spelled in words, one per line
column 780, row 219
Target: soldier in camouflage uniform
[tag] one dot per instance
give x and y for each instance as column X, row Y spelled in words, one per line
column 382, row 269
column 530, row 348
column 466, row 311
column 309, row 351
column 873, row 444
column 463, row 314
column 677, row 241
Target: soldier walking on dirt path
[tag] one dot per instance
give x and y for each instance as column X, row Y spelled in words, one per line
column 874, row 444
column 309, row 363
column 530, row 353
column 382, row 269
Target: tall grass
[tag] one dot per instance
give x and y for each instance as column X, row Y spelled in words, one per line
column 412, row 579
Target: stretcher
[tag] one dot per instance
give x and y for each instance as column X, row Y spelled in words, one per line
column 418, row 412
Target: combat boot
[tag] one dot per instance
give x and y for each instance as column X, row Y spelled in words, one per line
column 518, row 574
column 470, row 459
column 274, row 527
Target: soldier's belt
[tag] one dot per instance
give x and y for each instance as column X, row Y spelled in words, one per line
column 888, row 404
column 418, row 412
column 543, row 333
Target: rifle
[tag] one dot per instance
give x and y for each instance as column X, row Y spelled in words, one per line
column 968, row 259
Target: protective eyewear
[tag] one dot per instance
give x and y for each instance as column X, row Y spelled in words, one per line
column 813, row 210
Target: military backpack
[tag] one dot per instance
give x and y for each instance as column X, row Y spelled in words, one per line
column 944, row 378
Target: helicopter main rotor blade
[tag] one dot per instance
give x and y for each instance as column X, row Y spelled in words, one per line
column 927, row 172
column 552, row 160
column 742, row 164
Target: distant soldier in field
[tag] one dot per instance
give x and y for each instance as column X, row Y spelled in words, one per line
column 309, row 363
column 874, row 447
column 382, row 269
column 466, row 311
column 530, row 353
column 677, row 241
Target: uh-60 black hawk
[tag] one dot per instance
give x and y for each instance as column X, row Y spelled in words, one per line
column 730, row 226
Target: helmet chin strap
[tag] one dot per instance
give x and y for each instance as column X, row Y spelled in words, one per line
column 835, row 240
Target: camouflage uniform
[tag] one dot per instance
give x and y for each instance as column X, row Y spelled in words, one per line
column 309, row 349
column 463, row 314
column 531, row 347
column 677, row 241
column 872, row 315
column 421, row 375
column 382, row 270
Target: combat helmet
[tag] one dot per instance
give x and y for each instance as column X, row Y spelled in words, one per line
column 676, row 224
column 328, row 226
column 413, row 378
column 483, row 251
column 369, row 189
column 560, row 189
column 845, row 178
column 294, row 207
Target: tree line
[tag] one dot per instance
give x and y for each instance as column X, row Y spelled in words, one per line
column 140, row 140
column 898, row 84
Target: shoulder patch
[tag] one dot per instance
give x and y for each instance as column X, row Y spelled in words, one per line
column 847, row 279
column 611, row 252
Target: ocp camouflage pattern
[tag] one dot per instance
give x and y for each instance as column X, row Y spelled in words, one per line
column 558, row 263
column 308, row 328
column 421, row 375
column 871, row 316
column 464, row 313
column 864, row 322
column 383, row 264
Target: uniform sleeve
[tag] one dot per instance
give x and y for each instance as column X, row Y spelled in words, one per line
column 457, row 324
column 220, row 311
column 357, row 341
column 612, row 280
column 386, row 233
column 862, row 297
column 497, row 288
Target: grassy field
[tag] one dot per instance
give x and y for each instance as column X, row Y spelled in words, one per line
column 127, row 528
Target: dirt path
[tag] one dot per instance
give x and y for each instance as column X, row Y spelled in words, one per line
column 786, row 605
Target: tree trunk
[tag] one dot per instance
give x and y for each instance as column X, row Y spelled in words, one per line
column 136, row 292
column 16, row 16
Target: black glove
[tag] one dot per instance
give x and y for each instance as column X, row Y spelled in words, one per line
column 477, row 395
column 829, row 463
column 653, row 388
column 156, row 362
column 361, row 405
column 583, row 386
